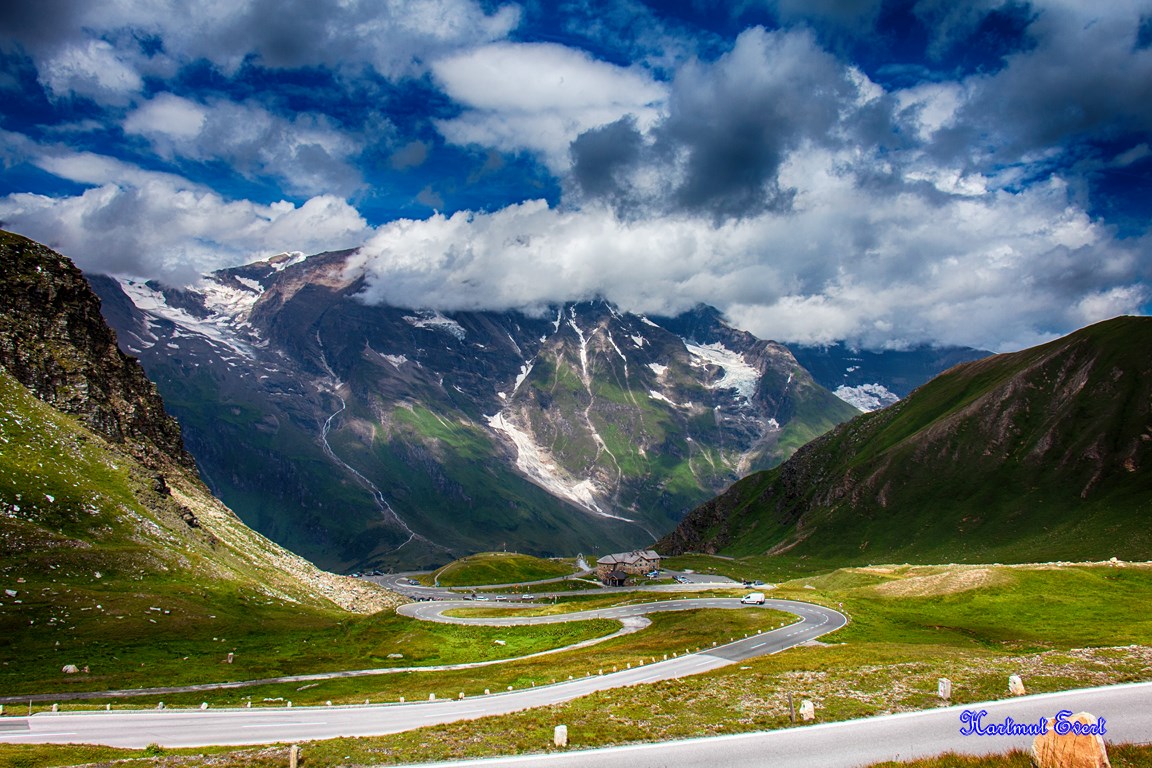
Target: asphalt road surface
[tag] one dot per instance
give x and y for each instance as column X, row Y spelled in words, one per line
column 403, row 584
column 1126, row 710
column 172, row 728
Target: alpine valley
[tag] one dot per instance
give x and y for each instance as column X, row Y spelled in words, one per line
column 366, row 436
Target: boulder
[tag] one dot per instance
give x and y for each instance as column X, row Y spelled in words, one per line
column 1071, row 750
column 70, row 669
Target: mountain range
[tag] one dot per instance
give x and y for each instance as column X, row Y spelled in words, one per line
column 368, row 436
column 1030, row 456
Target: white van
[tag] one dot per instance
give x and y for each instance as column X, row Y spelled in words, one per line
column 756, row 598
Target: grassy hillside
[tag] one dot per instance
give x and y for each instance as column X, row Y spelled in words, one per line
column 1036, row 455
column 110, row 565
column 499, row 568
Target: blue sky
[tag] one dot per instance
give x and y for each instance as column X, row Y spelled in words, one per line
column 885, row 173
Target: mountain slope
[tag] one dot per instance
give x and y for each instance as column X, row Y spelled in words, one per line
column 102, row 520
column 1040, row 454
column 367, row 436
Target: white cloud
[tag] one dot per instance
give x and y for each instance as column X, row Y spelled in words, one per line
column 169, row 116
column 307, row 154
column 539, row 97
column 91, row 68
column 999, row 269
column 139, row 223
column 95, row 49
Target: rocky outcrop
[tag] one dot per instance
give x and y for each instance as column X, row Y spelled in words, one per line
column 55, row 342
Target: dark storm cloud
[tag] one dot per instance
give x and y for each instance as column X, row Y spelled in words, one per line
column 1056, row 95
column 736, row 121
column 602, row 156
column 728, row 128
column 36, row 23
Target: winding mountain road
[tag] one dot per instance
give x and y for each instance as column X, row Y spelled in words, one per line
column 171, row 728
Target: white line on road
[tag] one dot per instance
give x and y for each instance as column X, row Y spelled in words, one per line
column 280, row 725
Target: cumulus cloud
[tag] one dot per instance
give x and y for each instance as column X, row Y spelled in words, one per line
column 997, row 269
column 145, row 224
column 539, row 97
column 1084, row 78
column 306, row 153
column 69, row 40
column 775, row 181
column 729, row 126
column 91, row 68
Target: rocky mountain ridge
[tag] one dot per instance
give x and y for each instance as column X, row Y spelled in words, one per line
column 54, row 341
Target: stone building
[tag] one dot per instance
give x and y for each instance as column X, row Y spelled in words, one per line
column 614, row 570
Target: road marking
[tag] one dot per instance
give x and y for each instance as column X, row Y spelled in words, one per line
column 758, row 645
column 280, row 725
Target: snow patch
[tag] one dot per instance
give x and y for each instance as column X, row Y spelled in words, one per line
column 867, row 397
column 646, row 321
column 226, row 303
column 638, row 341
column 282, row 261
column 535, row 462
column 525, row 369
column 738, row 374
column 396, row 360
column 664, row 399
column 248, row 282
column 613, row 343
column 434, row 320
column 658, row 369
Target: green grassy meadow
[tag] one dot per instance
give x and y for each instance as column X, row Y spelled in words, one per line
column 498, row 568
column 1059, row 627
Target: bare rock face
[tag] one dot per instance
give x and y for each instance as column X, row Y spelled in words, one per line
column 54, row 341
column 1071, row 749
